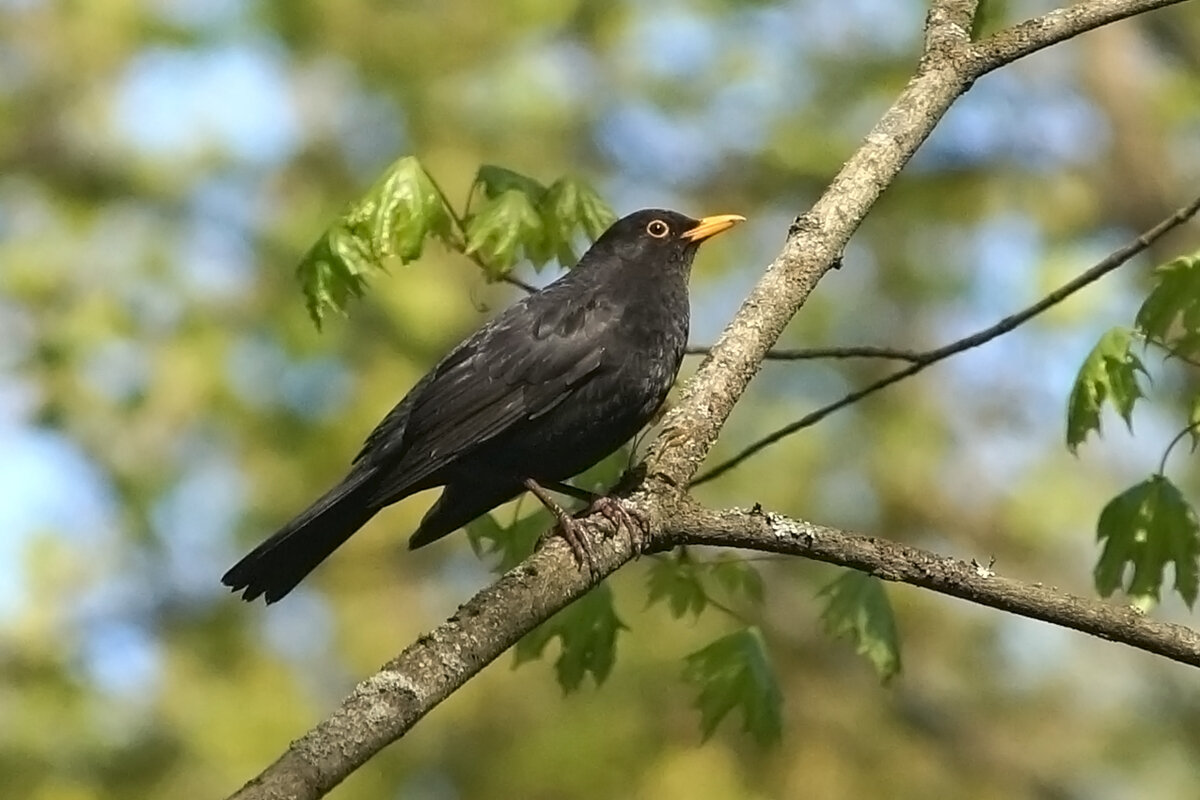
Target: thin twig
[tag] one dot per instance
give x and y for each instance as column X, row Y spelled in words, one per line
column 1110, row 263
column 461, row 225
column 1172, row 352
column 515, row 281
column 728, row 610
column 1162, row 464
column 458, row 221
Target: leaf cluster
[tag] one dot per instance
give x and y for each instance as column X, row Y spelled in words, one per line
column 1151, row 525
column 509, row 217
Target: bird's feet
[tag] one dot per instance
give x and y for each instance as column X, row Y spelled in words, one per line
column 572, row 532
column 621, row 517
column 568, row 528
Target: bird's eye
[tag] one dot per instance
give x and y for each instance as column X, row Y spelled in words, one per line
column 658, row 229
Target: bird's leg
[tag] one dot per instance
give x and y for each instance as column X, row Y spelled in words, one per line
column 568, row 527
column 612, row 509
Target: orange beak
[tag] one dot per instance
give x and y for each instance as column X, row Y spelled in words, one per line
column 711, row 226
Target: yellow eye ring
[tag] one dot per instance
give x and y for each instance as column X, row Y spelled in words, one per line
column 658, row 229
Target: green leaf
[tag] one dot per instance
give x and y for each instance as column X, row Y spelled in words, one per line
column 1148, row 526
column 495, row 181
column 595, row 215
column 1109, row 373
column 857, row 609
column 502, row 226
column 570, row 205
column 587, row 632
column 1171, row 312
column 514, row 543
column 332, row 272
column 733, row 673
column 737, row 576
column 391, row 221
column 676, row 580
column 518, row 216
column 681, row 582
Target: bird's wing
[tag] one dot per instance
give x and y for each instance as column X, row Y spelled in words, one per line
column 513, row 370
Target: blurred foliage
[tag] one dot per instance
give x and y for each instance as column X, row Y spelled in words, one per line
column 165, row 402
column 858, row 609
column 733, row 673
column 587, row 634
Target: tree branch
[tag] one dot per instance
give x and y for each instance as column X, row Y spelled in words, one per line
column 1006, row 46
column 948, row 24
column 1110, row 263
column 891, row 561
column 513, row 280
column 809, row 353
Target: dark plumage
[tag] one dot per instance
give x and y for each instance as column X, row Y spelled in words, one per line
column 542, row 392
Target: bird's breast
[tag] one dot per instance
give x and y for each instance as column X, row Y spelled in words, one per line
column 644, row 361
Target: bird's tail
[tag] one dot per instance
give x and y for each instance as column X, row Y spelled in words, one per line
column 275, row 567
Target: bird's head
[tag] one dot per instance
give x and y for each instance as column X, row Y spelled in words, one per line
column 655, row 237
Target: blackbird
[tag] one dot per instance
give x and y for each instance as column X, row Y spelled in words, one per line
column 538, row 394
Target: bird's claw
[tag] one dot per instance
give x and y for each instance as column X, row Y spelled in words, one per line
column 621, row 517
column 568, row 529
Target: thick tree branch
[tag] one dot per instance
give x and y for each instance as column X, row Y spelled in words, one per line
column 923, row 360
column 948, row 24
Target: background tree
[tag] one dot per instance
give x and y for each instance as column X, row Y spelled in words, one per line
column 167, row 400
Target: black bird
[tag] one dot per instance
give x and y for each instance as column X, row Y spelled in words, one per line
column 540, row 393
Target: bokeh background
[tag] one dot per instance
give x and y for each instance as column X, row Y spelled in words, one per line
column 165, row 402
